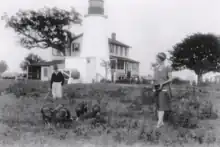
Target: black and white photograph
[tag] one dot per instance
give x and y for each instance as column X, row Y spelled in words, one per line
column 110, row 73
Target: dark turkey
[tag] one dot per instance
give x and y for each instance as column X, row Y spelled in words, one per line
column 47, row 114
column 93, row 114
column 81, row 109
column 61, row 115
column 96, row 109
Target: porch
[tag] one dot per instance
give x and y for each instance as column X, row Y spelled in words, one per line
column 43, row 70
column 120, row 66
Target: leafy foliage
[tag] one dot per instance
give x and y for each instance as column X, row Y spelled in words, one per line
column 43, row 28
column 198, row 52
column 3, row 66
column 30, row 59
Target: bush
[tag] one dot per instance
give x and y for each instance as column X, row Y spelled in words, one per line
column 105, row 81
column 75, row 74
column 188, row 110
column 179, row 81
column 123, row 81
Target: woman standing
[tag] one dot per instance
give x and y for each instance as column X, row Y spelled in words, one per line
column 162, row 79
column 57, row 81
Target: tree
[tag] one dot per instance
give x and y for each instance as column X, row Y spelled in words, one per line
column 30, row 59
column 198, row 52
column 3, row 66
column 43, row 28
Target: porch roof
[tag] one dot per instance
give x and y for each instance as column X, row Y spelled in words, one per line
column 47, row 63
column 124, row 58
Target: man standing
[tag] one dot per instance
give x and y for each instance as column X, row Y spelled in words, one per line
column 57, row 81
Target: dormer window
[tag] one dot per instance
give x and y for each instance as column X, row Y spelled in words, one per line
column 75, row 47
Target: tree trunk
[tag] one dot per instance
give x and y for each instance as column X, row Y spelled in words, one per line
column 199, row 79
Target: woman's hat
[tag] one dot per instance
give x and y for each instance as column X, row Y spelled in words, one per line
column 162, row 56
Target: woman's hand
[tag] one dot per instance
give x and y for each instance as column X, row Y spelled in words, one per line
column 160, row 87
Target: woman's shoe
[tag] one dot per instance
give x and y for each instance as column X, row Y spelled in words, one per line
column 159, row 125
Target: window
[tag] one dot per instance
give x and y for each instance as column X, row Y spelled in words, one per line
column 75, row 47
column 120, row 64
column 116, row 50
column 121, row 51
column 135, row 67
column 111, row 48
column 96, row 4
column 45, row 72
column 126, row 52
column 113, row 64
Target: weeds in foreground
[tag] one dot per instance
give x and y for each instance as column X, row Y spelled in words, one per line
column 123, row 113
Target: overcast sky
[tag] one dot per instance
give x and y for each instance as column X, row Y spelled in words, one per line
column 149, row 26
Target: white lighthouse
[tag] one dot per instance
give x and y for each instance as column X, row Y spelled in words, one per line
column 94, row 54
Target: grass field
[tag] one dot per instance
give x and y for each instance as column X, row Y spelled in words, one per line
column 21, row 123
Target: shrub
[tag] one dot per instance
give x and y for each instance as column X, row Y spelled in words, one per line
column 179, row 81
column 123, row 81
column 105, row 81
column 75, row 74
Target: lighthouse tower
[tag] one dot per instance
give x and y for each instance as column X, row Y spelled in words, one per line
column 94, row 55
column 95, row 39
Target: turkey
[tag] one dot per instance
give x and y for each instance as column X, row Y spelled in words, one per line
column 61, row 116
column 47, row 114
column 93, row 114
column 96, row 109
column 81, row 109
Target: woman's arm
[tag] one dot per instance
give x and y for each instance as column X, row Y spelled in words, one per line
column 169, row 76
column 51, row 80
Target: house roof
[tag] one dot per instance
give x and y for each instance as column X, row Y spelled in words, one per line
column 124, row 58
column 116, row 42
column 48, row 63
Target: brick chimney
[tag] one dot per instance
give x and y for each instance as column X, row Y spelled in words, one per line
column 113, row 36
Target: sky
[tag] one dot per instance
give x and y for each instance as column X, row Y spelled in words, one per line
column 149, row 26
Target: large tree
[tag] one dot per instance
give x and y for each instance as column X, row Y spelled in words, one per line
column 198, row 52
column 3, row 66
column 44, row 28
column 30, row 59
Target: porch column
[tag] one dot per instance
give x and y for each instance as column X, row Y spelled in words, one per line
column 116, row 68
column 27, row 71
column 124, row 66
column 116, row 64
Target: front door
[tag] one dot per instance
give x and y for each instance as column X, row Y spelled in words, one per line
column 45, row 73
column 90, row 70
